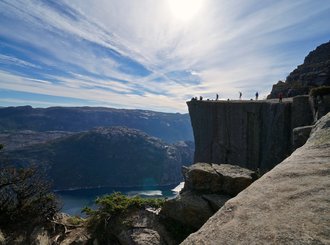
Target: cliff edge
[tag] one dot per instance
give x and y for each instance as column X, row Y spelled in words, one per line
column 288, row 205
column 250, row 134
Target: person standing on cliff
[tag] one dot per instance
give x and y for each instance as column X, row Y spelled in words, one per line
column 257, row 95
column 240, row 95
column 280, row 97
column 217, row 97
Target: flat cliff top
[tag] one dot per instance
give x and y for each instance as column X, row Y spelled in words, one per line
column 285, row 100
column 288, row 205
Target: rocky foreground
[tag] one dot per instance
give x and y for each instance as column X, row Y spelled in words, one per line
column 288, row 205
column 207, row 188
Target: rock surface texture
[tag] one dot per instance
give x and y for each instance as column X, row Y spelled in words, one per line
column 251, row 134
column 314, row 72
column 288, row 205
column 207, row 188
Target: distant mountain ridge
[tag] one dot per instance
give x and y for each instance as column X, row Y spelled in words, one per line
column 170, row 127
column 314, row 72
column 114, row 156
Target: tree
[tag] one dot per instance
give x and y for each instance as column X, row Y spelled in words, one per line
column 25, row 195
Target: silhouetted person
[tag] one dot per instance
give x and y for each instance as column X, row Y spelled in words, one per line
column 217, row 97
column 200, row 97
column 240, row 95
column 280, row 97
column 257, row 95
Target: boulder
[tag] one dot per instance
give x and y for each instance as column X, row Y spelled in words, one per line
column 301, row 135
column 215, row 201
column 207, row 188
column 189, row 209
column 288, row 205
column 40, row 236
column 77, row 236
column 218, row 179
column 139, row 227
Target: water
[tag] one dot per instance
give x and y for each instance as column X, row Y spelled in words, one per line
column 74, row 200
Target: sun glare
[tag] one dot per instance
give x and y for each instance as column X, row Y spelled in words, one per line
column 185, row 9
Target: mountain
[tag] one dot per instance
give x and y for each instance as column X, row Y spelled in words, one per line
column 171, row 127
column 18, row 139
column 314, row 72
column 114, row 156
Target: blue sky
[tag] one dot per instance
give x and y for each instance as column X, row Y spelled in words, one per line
column 150, row 54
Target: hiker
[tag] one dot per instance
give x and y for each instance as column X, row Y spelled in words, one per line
column 200, row 97
column 217, row 97
column 240, row 95
column 280, row 97
column 257, row 95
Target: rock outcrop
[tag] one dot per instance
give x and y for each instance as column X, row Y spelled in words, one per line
column 301, row 135
column 207, row 188
column 217, row 179
column 314, row 72
column 251, row 134
column 288, row 205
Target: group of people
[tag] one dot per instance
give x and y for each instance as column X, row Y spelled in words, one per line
column 240, row 95
column 280, row 96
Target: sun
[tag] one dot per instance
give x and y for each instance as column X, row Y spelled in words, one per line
column 185, row 9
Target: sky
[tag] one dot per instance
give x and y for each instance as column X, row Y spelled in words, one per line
column 151, row 54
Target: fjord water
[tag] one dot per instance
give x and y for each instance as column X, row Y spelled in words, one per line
column 73, row 201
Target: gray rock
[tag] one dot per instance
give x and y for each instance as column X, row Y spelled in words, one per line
column 215, row 201
column 301, row 135
column 207, row 188
column 288, row 205
column 77, row 236
column 189, row 209
column 40, row 236
column 323, row 106
column 140, row 227
column 146, row 237
column 302, row 113
column 220, row 179
column 315, row 71
column 250, row 134
column 2, row 238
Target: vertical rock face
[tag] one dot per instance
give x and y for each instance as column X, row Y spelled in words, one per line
column 288, row 205
column 251, row 134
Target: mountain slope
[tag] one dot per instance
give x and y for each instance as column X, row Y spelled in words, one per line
column 170, row 127
column 114, row 156
column 314, row 72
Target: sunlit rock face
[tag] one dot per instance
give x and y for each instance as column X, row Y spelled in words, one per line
column 288, row 205
column 207, row 187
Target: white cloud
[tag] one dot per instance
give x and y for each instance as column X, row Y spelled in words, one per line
column 231, row 45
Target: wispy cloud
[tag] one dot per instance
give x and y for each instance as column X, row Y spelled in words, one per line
column 137, row 54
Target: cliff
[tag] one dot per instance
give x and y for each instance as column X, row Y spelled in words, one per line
column 288, row 205
column 251, row 134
